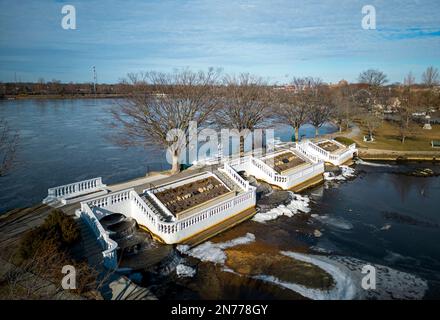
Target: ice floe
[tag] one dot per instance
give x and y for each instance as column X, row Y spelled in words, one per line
column 346, row 172
column 213, row 252
column 333, row 221
column 184, row 271
column 347, row 275
column 297, row 204
column 373, row 164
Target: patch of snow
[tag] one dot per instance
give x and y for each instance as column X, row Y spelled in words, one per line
column 213, row 252
column 298, row 203
column 184, row 271
column 346, row 172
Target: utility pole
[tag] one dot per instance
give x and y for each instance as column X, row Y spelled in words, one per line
column 94, row 80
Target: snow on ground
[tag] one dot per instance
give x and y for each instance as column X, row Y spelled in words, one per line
column 213, row 252
column 346, row 172
column 298, row 203
column 184, row 271
column 347, row 275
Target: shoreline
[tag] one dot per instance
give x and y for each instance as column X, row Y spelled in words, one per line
column 65, row 97
column 399, row 156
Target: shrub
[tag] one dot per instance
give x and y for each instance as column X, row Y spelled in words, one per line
column 63, row 227
column 57, row 230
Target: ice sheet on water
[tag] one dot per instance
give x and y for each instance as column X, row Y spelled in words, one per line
column 298, row 204
column 213, row 252
column 347, row 275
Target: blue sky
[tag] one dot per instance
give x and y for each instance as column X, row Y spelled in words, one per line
column 274, row 39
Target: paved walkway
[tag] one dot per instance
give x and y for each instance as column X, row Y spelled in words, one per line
column 137, row 182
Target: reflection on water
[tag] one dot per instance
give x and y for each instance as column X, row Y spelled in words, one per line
column 63, row 141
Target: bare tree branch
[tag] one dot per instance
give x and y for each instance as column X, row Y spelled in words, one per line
column 430, row 77
column 245, row 104
column 164, row 102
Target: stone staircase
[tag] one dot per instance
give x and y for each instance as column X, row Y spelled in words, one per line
column 226, row 180
column 89, row 247
column 154, row 207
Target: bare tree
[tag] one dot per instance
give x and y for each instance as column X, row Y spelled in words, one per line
column 370, row 118
column 8, row 147
column 321, row 107
column 409, row 79
column 345, row 106
column 246, row 101
column 293, row 107
column 406, row 108
column 166, row 102
column 430, row 77
column 291, row 110
column 373, row 77
column 371, row 121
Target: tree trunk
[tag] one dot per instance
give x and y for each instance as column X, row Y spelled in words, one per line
column 241, row 146
column 176, row 165
column 316, row 132
column 296, row 134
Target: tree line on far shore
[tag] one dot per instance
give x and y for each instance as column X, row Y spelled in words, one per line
column 156, row 103
column 160, row 102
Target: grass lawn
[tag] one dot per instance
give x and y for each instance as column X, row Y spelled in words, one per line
column 387, row 138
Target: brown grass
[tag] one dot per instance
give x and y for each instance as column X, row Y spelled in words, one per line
column 387, row 138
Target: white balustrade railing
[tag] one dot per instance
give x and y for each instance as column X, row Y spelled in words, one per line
column 303, row 150
column 336, row 159
column 231, row 173
column 109, row 245
column 129, row 203
column 108, row 200
column 74, row 189
column 318, row 149
column 170, row 230
column 217, row 209
column 263, row 167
